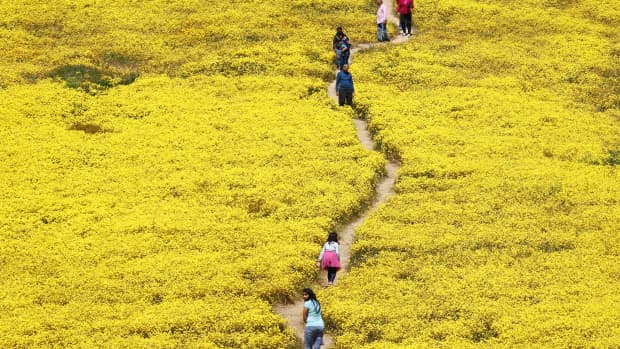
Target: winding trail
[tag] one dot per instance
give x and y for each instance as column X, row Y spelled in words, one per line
column 292, row 312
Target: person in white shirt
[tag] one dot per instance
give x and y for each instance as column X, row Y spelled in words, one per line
column 382, row 32
column 329, row 259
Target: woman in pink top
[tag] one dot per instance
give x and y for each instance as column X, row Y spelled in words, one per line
column 405, row 8
column 382, row 33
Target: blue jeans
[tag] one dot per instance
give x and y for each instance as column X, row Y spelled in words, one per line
column 313, row 337
column 382, row 33
column 343, row 58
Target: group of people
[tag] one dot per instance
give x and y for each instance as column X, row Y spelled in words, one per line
column 405, row 11
column 329, row 260
column 344, row 81
column 345, row 89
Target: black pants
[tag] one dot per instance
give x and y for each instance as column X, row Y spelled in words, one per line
column 405, row 23
column 345, row 96
column 331, row 274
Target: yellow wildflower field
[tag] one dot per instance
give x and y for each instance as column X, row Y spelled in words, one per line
column 504, row 230
column 168, row 169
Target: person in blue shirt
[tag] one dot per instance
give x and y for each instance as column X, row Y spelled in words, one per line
column 313, row 333
column 345, row 90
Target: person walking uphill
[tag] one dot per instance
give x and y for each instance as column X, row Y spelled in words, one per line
column 313, row 333
column 405, row 9
column 382, row 33
column 339, row 37
column 345, row 90
column 342, row 47
column 329, row 259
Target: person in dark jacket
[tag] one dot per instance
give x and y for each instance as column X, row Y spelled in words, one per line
column 344, row 86
column 342, row 47
column 340, row 36
column 342, row 55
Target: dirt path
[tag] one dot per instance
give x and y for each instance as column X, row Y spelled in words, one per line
column 384, row 189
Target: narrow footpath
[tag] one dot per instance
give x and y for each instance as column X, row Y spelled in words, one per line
column 292, row 312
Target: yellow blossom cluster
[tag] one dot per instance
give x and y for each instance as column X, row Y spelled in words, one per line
column 504, row 230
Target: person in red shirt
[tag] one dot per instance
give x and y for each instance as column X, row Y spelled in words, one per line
column 405, row 9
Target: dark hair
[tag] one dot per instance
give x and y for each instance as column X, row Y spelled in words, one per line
column 312, row 297
column 339, row 29
column 332, row 237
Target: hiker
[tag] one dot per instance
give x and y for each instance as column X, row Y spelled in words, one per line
column 405, row 9
column 345, row 90
column 343, row 55
column 329, row 259
column 382, row 32
column 342, row 47
column 313, row 333
column 336, row 40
